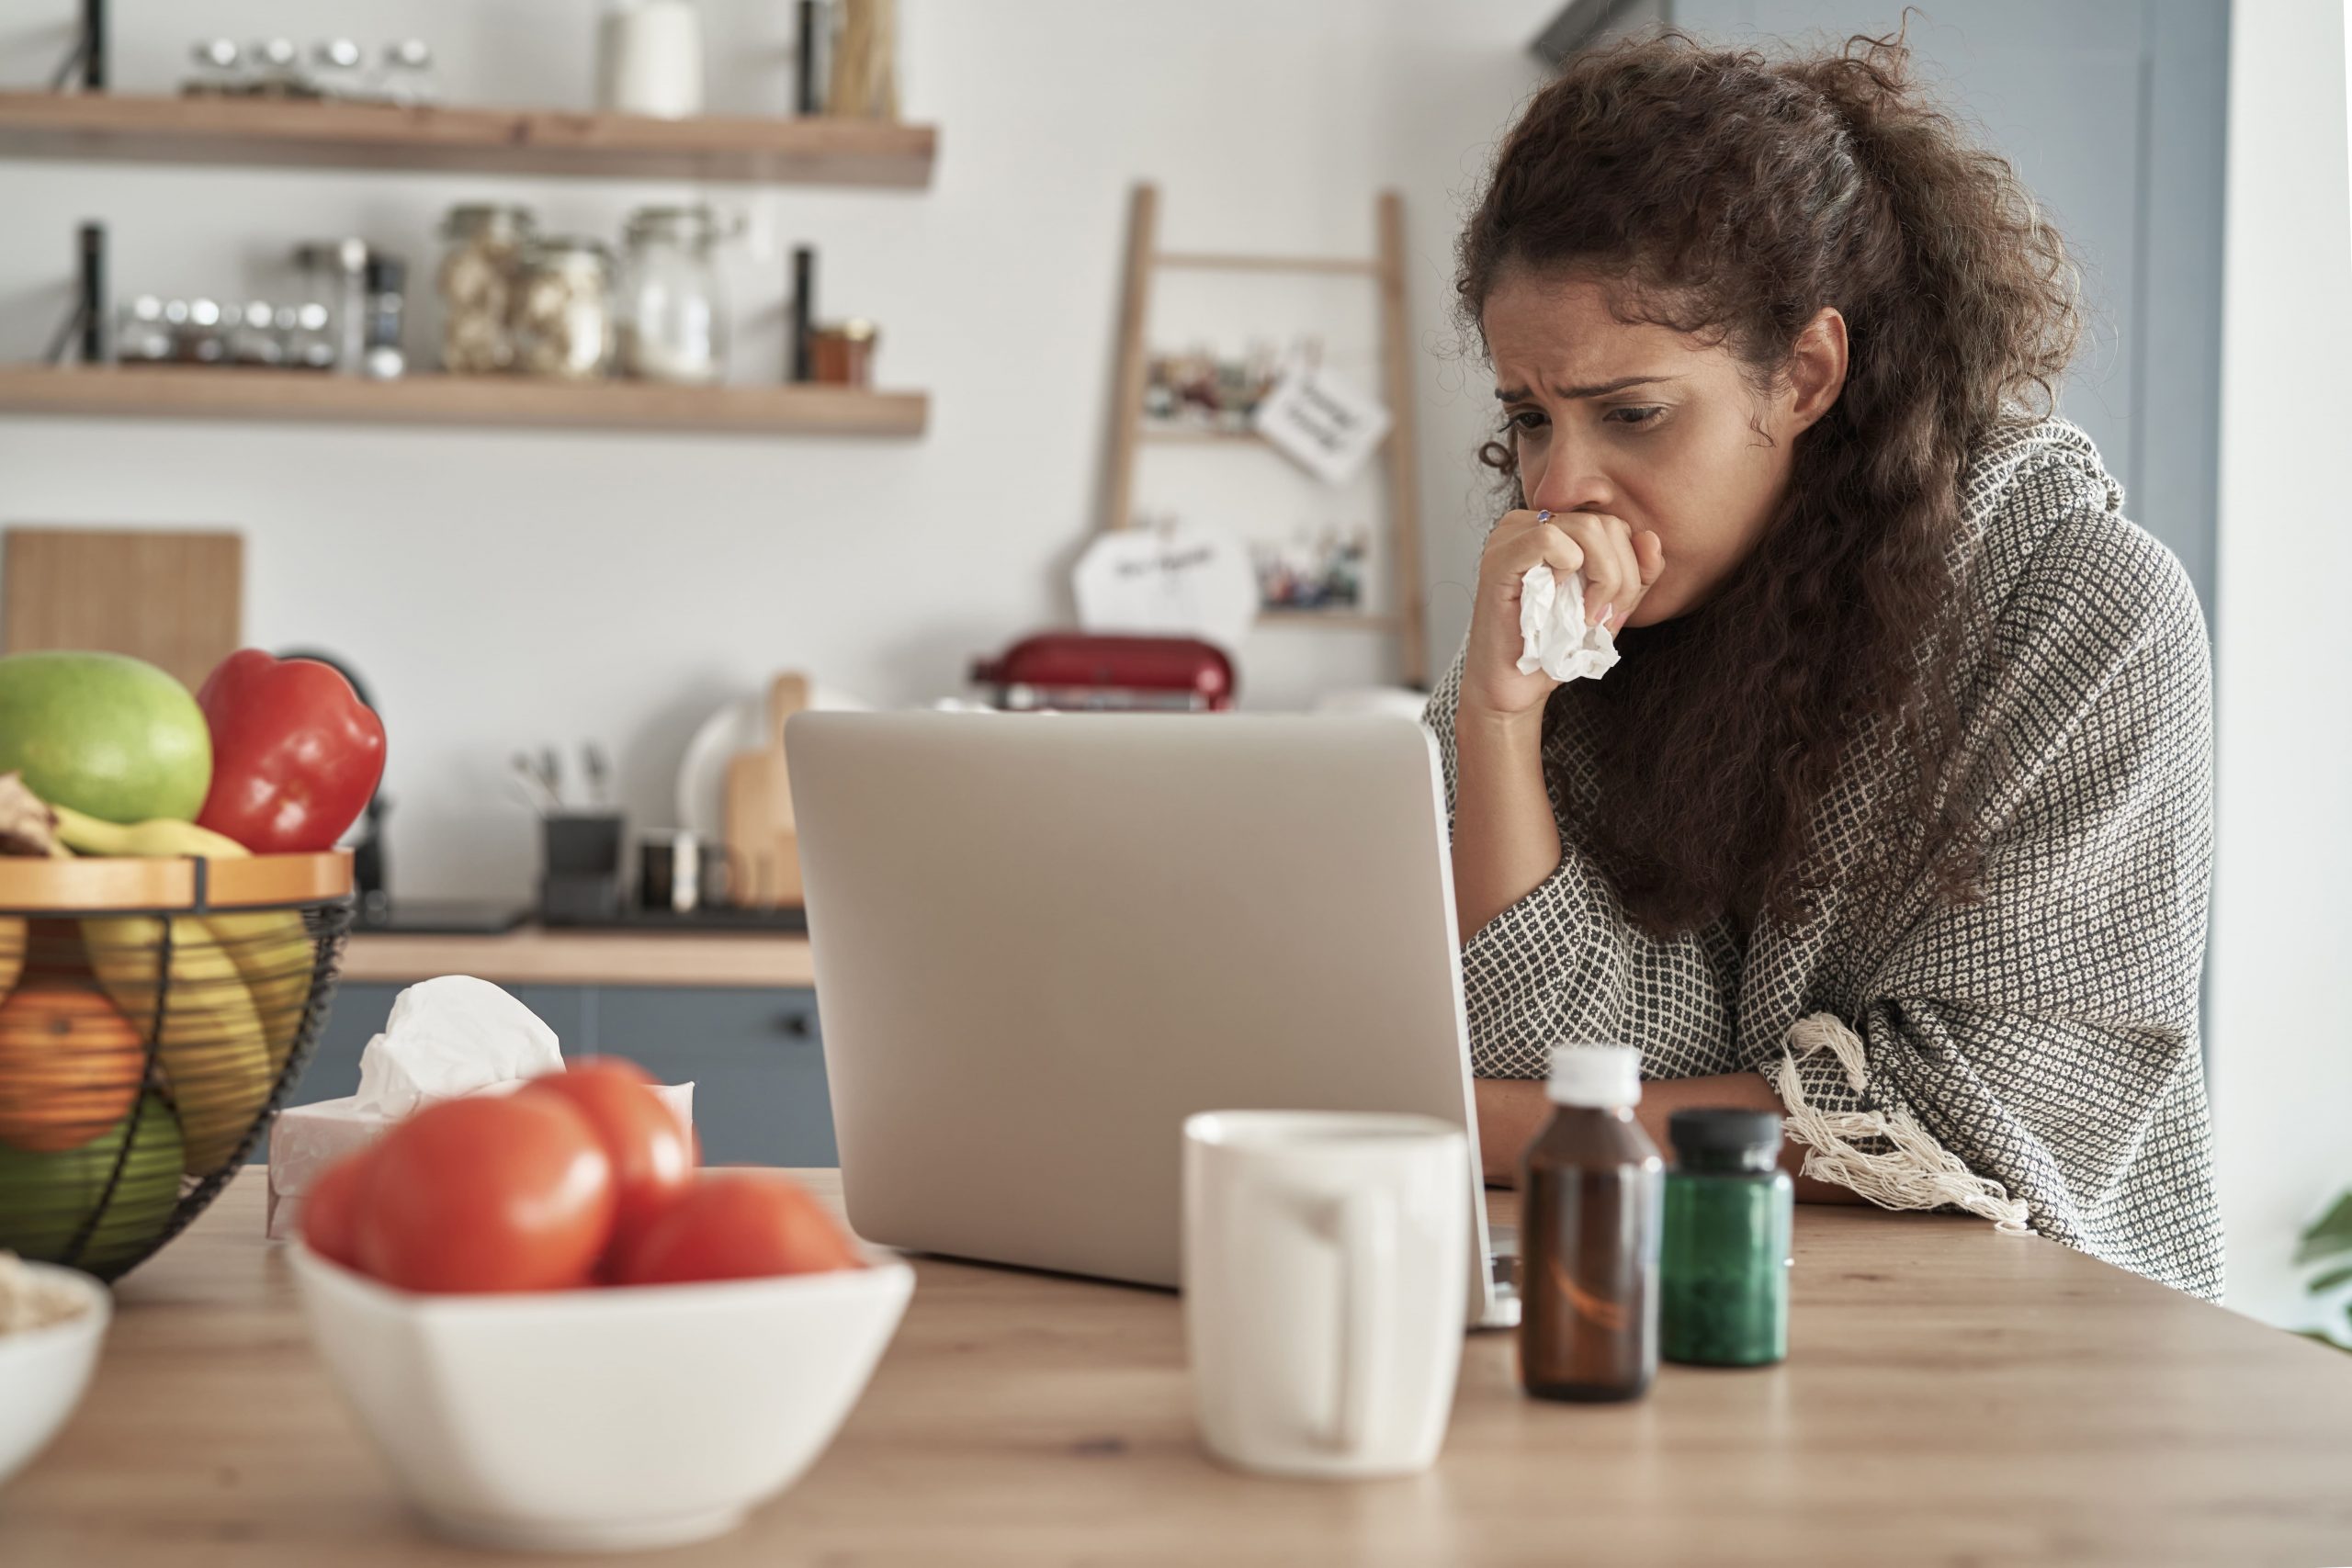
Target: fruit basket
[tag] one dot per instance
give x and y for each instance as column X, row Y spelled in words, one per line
column 154, row 1013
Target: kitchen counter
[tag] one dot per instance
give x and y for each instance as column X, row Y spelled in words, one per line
column 535, row 955
column 1953, row 1394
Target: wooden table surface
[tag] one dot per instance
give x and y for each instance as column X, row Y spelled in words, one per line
column 535, row 955
column 1953, row 1395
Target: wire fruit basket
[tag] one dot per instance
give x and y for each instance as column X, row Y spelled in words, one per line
column 155, row 1014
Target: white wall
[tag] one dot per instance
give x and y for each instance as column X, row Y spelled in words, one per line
column 2281, row 1036
column 502, row 590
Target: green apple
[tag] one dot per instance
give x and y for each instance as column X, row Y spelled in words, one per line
column 105, row 734
column 45, row 1198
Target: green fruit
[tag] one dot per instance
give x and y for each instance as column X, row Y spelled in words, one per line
column 44, row 1198
column 109, row 735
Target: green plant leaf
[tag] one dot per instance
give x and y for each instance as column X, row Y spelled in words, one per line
column 2320, row 1337
column 2330, row 1234
column 2339, row 1275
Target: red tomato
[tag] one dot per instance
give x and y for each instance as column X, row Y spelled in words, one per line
column 331, row 1209
column 296, row 754
column 651, row 1151
column 511, row 1193
column 738, row 1225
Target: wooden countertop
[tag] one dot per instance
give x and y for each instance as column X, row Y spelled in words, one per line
column 534, row 955
column 1953, row 1395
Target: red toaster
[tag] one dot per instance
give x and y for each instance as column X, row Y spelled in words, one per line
column 1077, row 671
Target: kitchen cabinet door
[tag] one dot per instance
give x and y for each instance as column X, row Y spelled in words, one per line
column 754, row 1055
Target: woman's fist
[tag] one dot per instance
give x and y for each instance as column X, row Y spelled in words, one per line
column 1619, row 566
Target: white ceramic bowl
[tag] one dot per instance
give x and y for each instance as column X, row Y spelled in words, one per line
column 602, row 1419
column 44, row 1370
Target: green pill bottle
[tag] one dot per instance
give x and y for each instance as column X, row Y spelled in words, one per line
column 1724, row 1272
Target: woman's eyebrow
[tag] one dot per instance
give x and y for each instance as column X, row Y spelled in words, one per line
column 1600, row 389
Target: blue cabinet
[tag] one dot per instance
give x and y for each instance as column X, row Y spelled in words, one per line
column 753, row 1055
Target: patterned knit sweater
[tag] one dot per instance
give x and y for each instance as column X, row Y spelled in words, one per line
column 2031, row 1056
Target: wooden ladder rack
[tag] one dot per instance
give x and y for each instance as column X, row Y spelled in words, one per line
column 1407, row 621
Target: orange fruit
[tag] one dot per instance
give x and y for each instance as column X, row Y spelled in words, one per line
column 70, row 1065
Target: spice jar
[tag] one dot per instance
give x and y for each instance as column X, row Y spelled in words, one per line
column 842, row 354
column 674, row 315
column 1723, row 1274
column 477, row 284
column 562, row 318
column 332, row 273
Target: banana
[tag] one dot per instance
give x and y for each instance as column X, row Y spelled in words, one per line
column 152, row 840
column 210, row 1041
column 14, row 940
column 272, row 951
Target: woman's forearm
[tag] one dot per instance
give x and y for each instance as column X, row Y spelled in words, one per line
column 1506, row 840
column 1512, row 1110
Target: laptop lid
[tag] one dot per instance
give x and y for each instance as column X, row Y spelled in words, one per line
column 1042, row 940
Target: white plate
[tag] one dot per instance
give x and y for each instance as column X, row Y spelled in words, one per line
column 738, row 726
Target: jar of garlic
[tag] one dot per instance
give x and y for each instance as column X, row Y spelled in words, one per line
column 563, row 319
column 477, row 281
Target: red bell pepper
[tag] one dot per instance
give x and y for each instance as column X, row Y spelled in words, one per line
column 296, row 755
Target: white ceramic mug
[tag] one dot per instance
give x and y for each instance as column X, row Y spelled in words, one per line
column 1323, row 1299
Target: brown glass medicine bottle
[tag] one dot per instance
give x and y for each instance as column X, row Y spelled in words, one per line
column 1591, row 1209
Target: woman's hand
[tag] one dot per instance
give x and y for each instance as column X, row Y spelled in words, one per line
column 1619, row 566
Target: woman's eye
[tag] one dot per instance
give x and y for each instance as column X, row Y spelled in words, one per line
column 1527, row 419
column 1640, row 415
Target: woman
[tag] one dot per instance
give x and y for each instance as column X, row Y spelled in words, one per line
column 1895, row 817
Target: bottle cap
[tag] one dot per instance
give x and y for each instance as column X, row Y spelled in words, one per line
column 1702, row 1133
column 1603, row 1076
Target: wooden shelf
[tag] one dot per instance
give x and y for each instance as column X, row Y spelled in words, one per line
column 1194, row 261
column 278, row 133
column 1327, row 620
column 167, row 391
column 1181, row 434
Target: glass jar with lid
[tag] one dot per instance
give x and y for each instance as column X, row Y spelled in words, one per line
column 675, row 308
column 477, row 284
column 563, row 319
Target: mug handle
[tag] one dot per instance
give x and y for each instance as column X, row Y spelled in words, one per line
column 1366, row 1227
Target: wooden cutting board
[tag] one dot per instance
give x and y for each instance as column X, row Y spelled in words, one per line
column 763, row 848
column 174, row 599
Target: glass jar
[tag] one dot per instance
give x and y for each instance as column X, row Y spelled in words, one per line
column 254, row 338
column 675, row 309
column 1590, row 1194
column 304, row 330
column 405, row 74
column 564, row 320
column 477, row 284
column 1723, row 1278
column 333, row 273
column 337, row 68
column 140, row 335
column 842, row 354
column 217, row 70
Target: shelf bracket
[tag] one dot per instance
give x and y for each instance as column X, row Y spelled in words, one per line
column 88, row 56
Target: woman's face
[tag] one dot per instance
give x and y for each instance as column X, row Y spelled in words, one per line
column 1658, row 428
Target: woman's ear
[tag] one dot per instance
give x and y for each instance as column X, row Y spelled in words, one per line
column 1817, row 366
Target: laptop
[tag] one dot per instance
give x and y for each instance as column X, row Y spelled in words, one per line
column 1041, row 941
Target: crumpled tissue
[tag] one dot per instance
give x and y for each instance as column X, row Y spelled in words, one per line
column 445, row 1038
column 1552, row 634
column 449, row 1037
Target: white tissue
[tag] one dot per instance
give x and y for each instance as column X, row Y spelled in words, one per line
column 449, row 1037
column 1552, row 632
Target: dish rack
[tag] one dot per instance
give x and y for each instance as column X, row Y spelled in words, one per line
column 155, row 1014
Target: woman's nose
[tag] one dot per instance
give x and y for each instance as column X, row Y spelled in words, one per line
column 1569, row 482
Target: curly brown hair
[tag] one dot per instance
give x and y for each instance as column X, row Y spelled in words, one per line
column 1733, row 196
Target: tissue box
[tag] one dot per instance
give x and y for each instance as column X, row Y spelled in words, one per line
column 309, row 1138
